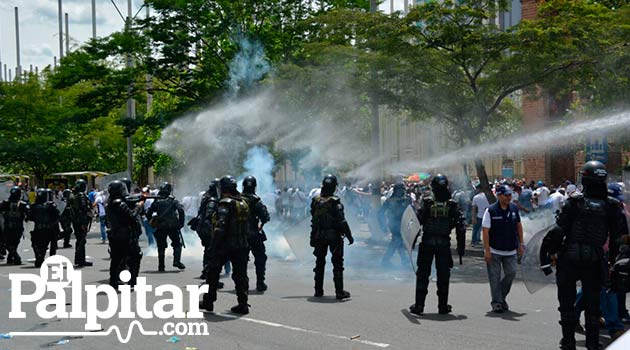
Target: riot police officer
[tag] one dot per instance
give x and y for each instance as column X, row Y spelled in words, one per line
column 167, row 223
column 230, row 230
column 438, row 216
column 66, row 219
column 45, row 216
column 393, row 210
column 583, row 226
column 258, row 217
column 202, row 223
column 124, row 232
column 328, row 228
column 81, row 222
column 14, row 212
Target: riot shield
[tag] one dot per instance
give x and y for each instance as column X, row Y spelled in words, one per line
column 533, row 277
column 298, row 238
column 410, row 231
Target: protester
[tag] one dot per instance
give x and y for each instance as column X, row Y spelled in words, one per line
column 479, row 205
column 99, row 203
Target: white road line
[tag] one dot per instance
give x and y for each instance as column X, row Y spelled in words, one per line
column 298, row 329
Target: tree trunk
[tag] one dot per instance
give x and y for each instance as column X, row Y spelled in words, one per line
column 483, row 178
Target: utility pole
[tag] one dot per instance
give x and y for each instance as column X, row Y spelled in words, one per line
column 391, row 6
column 149, row 77
column 93, row 19
column 55, row 62
column 406, row 6
column 60, row 13
column 374, row 103
column 131, row 103
column 6, row 77
column 18, row 70
column 67, row 35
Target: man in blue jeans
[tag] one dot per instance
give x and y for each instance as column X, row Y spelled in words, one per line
column 99, row 203
column 502, row 240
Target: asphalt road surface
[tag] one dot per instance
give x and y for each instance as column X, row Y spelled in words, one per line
column 287, row 316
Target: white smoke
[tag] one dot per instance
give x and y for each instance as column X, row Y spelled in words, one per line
column 259, row 163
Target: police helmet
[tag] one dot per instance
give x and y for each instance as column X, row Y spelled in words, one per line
column 15, row 194
column 594, row 171
column 80, row 185
column 249, row 184
column 165, row 189
column 227, row 184
column 330, row 181
column 41, row 196
column 439, row 181
column 117, row 189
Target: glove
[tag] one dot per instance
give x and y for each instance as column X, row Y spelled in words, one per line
column 547, row 270
column 350, row 240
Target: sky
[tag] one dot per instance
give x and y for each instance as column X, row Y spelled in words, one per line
column 39, row 26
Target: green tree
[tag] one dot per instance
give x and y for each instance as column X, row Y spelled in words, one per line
column 447, row 60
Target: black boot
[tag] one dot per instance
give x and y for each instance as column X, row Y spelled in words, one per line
column 161, row 267
column 261, row 286
column 319, row 285
column 206, row 304
column 241, row 309
column 340, row 293
column 416, row 309
column 443, row 306
column 567, row 344
column 177, row 256
column 568, row 322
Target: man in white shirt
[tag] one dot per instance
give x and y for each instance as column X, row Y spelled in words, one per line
column 479, row 205
column 502, row 240
column 99, row 203
column 557, row 199
column 541, row 194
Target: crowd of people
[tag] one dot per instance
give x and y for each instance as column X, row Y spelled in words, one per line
column 589, row 242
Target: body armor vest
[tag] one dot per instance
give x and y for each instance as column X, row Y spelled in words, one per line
column 13, row 214
column 590, row 224
column 166, row 210
column 324, row 216
column 437, row 222
column 237, row 227
column 44, row 216
column 81, row 208
column 252, row 202
column 208, row 209
column 119, row 219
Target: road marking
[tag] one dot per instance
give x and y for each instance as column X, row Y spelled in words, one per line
column 303, row 330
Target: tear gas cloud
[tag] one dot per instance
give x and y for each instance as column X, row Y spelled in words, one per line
column 538, row 141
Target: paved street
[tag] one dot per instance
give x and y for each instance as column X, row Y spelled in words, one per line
column 288, row 317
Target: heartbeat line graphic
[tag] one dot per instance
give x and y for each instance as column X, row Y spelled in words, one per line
column 109, row 331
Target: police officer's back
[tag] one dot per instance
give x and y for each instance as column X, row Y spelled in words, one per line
column 14, row 212
column 258, row 217
column 82, row 219
column 438, row 216
column 585, row 223
column 168, row 221
column 328, row 228
column 229, row 242
column 45, row 216
column 124, row 231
